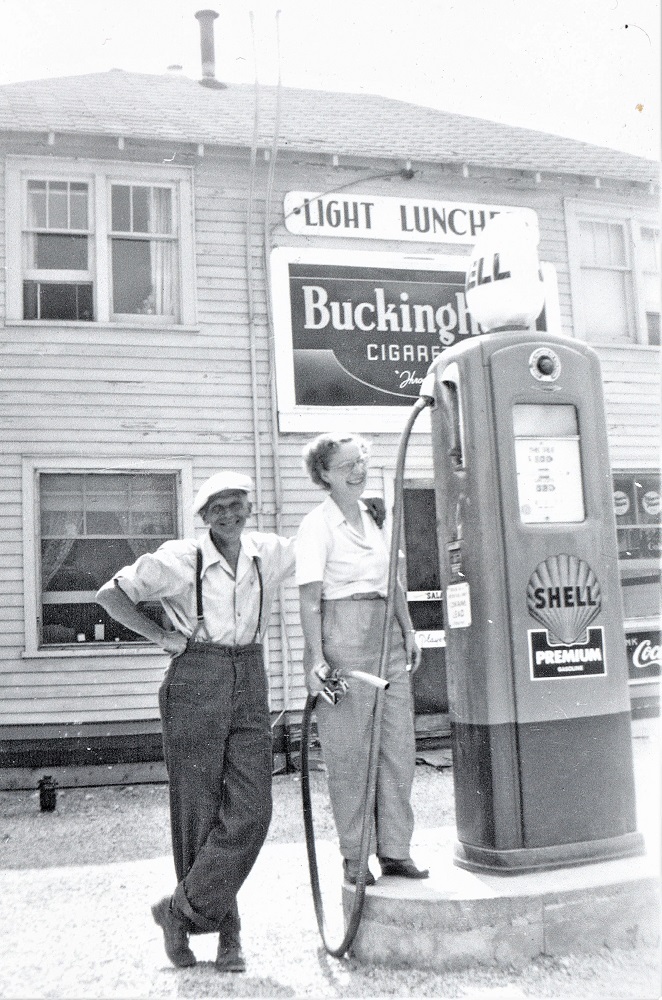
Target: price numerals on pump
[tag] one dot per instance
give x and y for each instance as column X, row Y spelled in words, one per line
column 549, row 482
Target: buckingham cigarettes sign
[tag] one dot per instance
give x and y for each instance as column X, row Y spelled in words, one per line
column 360, row 330
column 381, row 218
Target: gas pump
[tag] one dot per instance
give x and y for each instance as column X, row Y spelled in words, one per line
column 535, row 643
column 536, row 657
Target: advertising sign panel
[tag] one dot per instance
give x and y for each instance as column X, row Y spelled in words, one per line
column 357, row 332
column 386, row 218
column 644, row 658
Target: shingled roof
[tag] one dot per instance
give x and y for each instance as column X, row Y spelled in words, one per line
column 174, row 108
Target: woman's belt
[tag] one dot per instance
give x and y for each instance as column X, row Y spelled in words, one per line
column 370, row 595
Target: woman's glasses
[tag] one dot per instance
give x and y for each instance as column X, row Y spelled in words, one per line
column 348, row 465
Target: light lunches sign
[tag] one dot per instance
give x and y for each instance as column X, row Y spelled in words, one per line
column 384, row 218
column 357, row 332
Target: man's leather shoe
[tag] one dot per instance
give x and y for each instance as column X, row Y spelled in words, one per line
column 404, row 867
column 351, row 868
column 175, row 936
column 229, row 957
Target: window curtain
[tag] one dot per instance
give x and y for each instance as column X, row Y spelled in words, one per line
column 162, row 253
column 53, row 557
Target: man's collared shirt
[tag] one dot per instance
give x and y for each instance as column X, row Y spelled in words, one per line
column 231, row 604
column 330, row 550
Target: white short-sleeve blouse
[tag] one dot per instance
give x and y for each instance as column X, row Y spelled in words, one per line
column 331, row 551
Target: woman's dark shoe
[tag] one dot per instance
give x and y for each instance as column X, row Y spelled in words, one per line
column 404, row 867
column 175, row 936
column 351, row 869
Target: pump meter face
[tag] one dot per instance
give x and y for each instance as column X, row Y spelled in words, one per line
column 548, row 464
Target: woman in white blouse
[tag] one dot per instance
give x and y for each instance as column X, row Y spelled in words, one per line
column 342, row 573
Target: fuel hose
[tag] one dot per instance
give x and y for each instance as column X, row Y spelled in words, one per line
column 338, row 950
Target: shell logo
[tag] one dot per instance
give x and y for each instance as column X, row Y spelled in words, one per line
column 563, row 594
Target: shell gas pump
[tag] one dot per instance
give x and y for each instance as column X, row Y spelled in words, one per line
column 536, row 655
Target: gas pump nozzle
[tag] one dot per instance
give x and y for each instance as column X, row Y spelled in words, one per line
column 336, row 686
column 371, row 679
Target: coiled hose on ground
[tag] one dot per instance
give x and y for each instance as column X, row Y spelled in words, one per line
column 375, row 736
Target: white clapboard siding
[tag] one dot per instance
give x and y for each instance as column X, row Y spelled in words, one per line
column 140, row 394
column 632, row 385
column 144, row 393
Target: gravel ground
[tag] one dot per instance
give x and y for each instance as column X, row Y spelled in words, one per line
column 77, row 884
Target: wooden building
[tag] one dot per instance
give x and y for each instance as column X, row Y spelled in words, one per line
column 198, row 276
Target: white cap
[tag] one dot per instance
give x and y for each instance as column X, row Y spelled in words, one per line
column 219, row 482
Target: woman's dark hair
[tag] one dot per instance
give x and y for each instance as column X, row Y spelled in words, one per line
column 317, row 453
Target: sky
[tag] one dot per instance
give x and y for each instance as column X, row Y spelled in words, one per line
column 588, row 69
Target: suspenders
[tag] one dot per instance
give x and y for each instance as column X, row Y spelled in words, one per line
column 198, row 593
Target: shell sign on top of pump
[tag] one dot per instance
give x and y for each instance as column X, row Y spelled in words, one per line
column 504, row 283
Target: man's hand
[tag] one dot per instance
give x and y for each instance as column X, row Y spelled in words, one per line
column 412, row 651
column 174, row 643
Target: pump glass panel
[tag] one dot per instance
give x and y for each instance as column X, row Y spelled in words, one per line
column 548, row 463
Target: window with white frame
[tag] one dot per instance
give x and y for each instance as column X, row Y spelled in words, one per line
column 100, row 242
column 143, row 260
column 614, row 255
column 57, row 271
column 92, row 524
column 650, row 281
column 639, row 532
column 87, row 525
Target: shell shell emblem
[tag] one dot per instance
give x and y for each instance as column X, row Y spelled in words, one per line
column 563, row 594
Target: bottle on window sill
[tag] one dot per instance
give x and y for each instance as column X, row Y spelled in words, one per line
column 99, row 631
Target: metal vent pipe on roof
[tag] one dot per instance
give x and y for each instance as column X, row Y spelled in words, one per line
column 206, row 19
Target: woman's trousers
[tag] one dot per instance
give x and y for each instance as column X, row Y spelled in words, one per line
column 352, row 640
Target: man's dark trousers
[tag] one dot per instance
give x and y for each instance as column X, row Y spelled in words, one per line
column 217, row 749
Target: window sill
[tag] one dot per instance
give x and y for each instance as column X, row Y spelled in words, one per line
column 596, row 345
column 633, row 567
column 637, row 624
column 93, row 649
column 66, row 324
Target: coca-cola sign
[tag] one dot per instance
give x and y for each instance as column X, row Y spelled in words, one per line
column 644, row 654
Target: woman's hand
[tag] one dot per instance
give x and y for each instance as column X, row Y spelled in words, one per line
column 314, row 681
column 412, row 651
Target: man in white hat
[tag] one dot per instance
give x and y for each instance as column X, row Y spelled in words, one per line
column 217, row 594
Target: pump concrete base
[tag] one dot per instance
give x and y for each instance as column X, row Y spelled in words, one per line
column 459, row 918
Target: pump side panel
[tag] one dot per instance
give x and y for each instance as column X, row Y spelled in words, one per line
column 471, row 545
column 480, row 688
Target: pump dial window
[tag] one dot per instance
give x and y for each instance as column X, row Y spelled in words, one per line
column 548, row 463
